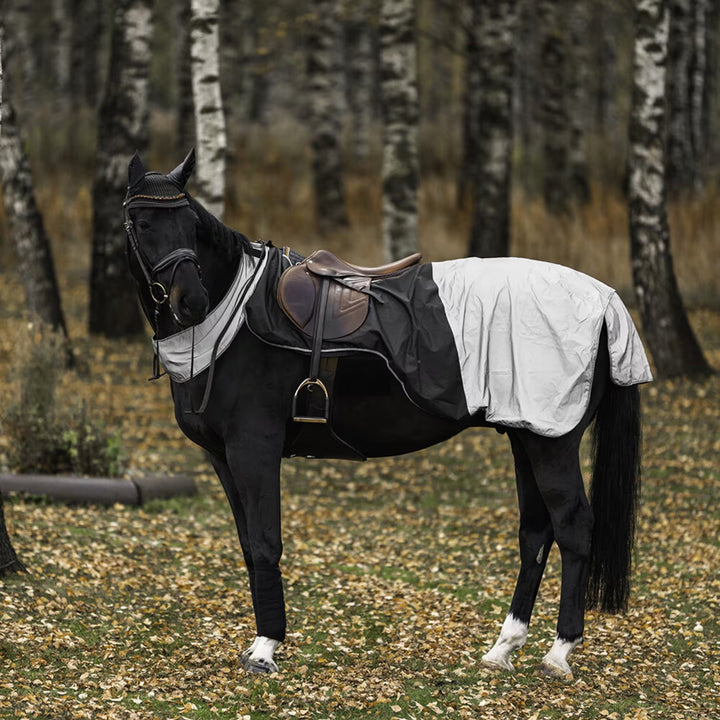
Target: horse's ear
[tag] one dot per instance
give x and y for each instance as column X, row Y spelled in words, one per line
column 136, row 170
column 181, row 174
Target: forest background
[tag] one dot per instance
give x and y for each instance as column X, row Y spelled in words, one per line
column 570, row 149
column 392, row 565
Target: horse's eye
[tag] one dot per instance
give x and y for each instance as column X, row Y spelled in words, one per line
column 143, row 224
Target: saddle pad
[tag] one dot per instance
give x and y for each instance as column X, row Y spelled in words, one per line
column 515, row 338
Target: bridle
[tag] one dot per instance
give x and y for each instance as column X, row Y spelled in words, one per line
column 157, row 290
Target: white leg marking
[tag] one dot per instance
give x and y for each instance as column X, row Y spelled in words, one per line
column 259, row 656
column 512, row 637
column 555, row 663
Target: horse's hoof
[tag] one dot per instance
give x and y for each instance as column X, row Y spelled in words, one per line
column 258, row 665
column 496, row 664
column 556, row 672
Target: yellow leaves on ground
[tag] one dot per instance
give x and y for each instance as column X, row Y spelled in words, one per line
column 398, row 574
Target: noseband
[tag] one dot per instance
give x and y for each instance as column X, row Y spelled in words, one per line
column 158, row 292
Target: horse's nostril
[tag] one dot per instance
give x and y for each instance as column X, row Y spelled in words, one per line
column 193, row 306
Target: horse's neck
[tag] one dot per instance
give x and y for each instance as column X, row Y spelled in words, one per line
column 218, row 268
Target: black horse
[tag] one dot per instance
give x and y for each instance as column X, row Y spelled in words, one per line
column 238, row 407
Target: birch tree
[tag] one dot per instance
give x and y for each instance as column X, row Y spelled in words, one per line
column 494, row 22
column 399, row 97
column 359, row 76
column 577, row 85
column 35, row 260
column 554, row 110
column 698, row 80
column 185, row 110
column 87, row 23
column 62, row 29
column 9, row 561
column 209, row 117
column 122, row 128
column 667, row 331
column 325, row 98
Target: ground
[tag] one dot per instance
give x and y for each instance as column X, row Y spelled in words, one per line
column 398, row 575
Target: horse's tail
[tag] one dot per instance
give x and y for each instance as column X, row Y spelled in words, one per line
column 614, row 497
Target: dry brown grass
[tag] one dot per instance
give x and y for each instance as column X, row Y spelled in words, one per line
column 270, row 197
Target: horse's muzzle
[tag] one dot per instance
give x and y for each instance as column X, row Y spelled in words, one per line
column 188, row 307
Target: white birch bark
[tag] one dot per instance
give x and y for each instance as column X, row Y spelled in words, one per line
column 668, row 333
column 34, row 255
column 494, row 24
column 210, row 129
column 399, row 93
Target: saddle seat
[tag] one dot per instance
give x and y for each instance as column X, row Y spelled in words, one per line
column 323, row 262
column 301, row 287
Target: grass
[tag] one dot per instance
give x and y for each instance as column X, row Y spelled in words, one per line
column 398, row 574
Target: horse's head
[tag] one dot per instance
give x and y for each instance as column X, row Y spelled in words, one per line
column 162, row 245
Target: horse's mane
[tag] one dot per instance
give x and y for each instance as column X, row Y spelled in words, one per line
column 230, row 242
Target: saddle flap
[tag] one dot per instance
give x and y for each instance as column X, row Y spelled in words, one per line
column 347, row 304
column 296, row 293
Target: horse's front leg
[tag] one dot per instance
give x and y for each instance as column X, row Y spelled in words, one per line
column 253, row 459
column 259, row 656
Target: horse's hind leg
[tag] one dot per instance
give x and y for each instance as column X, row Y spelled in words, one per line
column 536, row 537
column 556, row 466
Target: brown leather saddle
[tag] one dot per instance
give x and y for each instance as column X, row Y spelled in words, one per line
column 327, row 298
column 301, row 287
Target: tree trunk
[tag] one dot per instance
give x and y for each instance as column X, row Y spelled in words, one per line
column 495, row 23
column 680, row 160
column 554, row 111
column 359, row 78
column 399, row 93
column 87, row 33
column 606, row 23
column 527, row 98
column 577, row 91
column 667, row 330
column 324, row 80
column 9, row 561
column 35, row 261
column 122, row 128
column 18, row 16
column 207, row 99
column 62, row 29
column 699, row 69
column 471, row 93
column 711, row 90
column 185, row 107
